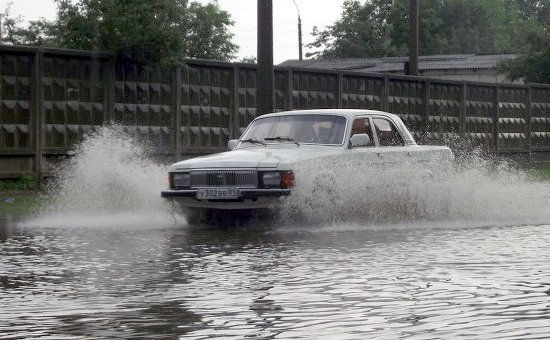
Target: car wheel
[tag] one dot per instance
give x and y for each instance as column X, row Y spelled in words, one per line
column 196, row 215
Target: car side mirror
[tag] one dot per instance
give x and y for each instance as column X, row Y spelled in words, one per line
column 232, row 143
column 360, row 139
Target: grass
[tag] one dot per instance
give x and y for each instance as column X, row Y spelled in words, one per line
column 23, row 183
column 545, row 172
column 16, row 204
column 540, row 171
column 19, row 197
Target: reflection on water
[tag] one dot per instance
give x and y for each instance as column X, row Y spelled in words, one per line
column 338, row 282
column 464, row 256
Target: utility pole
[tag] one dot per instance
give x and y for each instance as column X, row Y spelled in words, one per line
column 264, row 83
column 1, row 41
column 299, row 31
column 413, row 38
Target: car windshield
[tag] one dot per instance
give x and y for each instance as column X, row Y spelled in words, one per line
column 299, row 128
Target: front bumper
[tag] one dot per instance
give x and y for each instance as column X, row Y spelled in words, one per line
column 248, row 199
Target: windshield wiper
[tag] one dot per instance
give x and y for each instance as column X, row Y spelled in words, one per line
column 282, row 138
column 253, row 140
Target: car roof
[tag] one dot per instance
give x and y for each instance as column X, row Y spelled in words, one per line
column 349, row 113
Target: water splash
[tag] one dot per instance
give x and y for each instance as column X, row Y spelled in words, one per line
column 108, row 180
column 476, row 191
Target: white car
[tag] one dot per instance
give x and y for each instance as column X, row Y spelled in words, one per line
column 260, row 168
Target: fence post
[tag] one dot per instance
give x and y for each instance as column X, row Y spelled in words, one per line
column 384, row 97
column 426, row 115
column 176, row 110
column 340, row 90
column 528, row 114
column 462, row 110
column 290, row 89
column 37, row 114
column 496, row 116
column 234, row 119
column 109, row 86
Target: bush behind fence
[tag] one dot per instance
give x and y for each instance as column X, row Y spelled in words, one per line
column 50, row 98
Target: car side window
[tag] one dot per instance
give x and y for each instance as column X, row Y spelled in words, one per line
column 387, row 133
column 362, row 126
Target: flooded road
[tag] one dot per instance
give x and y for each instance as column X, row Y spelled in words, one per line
column 105, row 258
column 335, row 282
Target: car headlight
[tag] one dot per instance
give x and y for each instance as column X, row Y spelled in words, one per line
column 278, row 179
column 271, row 179
column 180, row 180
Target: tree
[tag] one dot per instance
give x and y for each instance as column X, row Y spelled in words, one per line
column 378, row 28
column 361, row 31
column 14, row 34
column 381, row 28
column 533, row 62
column 481, row 26
column 249, row 60
column 208, row 32
column 160, row 32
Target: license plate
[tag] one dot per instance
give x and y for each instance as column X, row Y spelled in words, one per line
column 218, row 194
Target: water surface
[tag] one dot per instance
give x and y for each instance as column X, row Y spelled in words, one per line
column 340, row 281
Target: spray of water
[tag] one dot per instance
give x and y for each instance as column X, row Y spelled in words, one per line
column 476, row 190
column 108, row 180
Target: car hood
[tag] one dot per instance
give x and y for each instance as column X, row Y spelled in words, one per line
column 267, row 157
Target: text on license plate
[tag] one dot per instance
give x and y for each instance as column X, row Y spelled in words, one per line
column 218, row 194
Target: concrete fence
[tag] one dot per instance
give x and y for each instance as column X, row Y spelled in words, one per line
column 50, row 98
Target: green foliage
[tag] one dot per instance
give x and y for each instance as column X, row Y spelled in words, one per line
column 480, row 26
column 378, row 28
column 532, row 65
column 249, row 60
column 208, row 34
column 533, row 61
column 24, row 183
column 13, row 33
column 363, row 30
column 151, row 33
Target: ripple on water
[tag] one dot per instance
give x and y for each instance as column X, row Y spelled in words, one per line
column 398, row 283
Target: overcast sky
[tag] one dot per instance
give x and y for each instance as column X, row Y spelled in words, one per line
column 285, row 21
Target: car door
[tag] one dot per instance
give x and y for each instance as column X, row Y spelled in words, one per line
column 387, row 144
column 362, row 143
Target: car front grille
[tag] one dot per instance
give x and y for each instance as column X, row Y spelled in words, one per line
column 224, row 178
